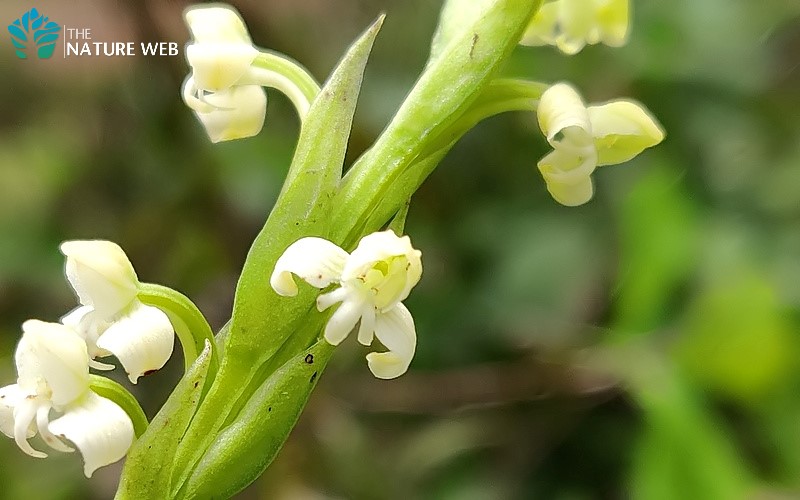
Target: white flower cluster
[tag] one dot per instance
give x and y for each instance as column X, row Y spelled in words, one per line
column 53, row 360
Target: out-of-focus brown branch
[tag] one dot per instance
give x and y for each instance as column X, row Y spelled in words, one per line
column 487, row 385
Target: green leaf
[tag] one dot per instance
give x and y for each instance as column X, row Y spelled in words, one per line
column 659, row 242
column 244, row 449
column 447, row 87
column 684, row 451
column 109, row 389
column 262, row 320
column 149, row 466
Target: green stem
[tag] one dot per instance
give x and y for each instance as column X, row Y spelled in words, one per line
column 499, row 96
column 274, row 70
column 189, row 323
column 109, row 389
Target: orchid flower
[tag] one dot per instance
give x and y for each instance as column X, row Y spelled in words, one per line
column 111, row 319
column 371, row 284
column 221, row 55
column 53, row 374
column 570, row 25
column 584, row 138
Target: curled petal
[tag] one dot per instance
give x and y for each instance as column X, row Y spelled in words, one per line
column 563, row 118
column 12, row 396
column 24, row 416
column 101, row 275
column 42, row 422
column 395, row 329
column 100, row 429
column 344, row 319
column 194, row 97
column 52, row 357
column 142, row 340
column 315, row 260
column 568, row 175
column 234, row 113
column 622, row 129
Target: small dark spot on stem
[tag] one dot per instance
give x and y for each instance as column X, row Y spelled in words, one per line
column 269, row 409
column 310, row 359
column 196, row 383
column 313, row 378
column 472, row 48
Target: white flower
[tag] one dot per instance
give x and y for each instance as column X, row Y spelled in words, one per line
column 373, row 281
column 572, row 24
column 585, row 138
column 53, row 374
column 111, row 319
column 218, row 89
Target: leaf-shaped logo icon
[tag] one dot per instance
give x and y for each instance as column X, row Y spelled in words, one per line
column 36, row 29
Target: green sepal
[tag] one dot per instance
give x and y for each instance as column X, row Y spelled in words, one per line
column 109, row 389
column 244, row 449
column 449, row 84
column 150, row 463
column 262, row 320
column 190, row 325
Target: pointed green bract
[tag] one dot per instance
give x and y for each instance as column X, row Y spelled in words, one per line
column 244, row 449
column 150, row 462
column 262, row 320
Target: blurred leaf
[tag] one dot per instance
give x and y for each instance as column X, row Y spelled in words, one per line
column 737, row 340
column 659, row 238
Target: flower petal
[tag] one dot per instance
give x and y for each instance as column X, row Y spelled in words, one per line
column 568, row 176
column 42, row 422
column 622, row 129
column 543, row 28
column 315, row 260
column 576, row 20
column 613, row 21
column 235, row 113
column 218, row 23
column 101, row 275
column 218, row 66
column 100, row 429
column 54, row 355
column 24, row 415
column 12, row 396
column 344, row 319
column 85, row 321
column 563, row 118
column 142, row 340
column 398, row 264
column 395, row 329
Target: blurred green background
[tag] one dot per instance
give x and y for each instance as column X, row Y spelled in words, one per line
column 642, row 346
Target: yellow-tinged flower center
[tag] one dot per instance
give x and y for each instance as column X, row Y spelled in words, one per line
column 385, row 280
